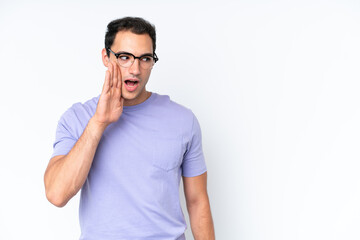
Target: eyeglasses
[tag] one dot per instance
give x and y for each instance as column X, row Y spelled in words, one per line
column 126, row 59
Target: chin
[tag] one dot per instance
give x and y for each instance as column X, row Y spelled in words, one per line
column 128, row 96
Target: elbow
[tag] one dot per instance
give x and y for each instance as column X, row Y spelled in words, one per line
column 56, row 199
column 54, row 195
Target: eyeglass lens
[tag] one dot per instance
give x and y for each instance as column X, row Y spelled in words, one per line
column 126, row 60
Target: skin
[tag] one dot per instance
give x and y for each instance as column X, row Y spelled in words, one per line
column 198, row 206
column 137, row 45
column 66, row 174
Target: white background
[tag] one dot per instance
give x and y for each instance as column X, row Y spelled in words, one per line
column 274, row 84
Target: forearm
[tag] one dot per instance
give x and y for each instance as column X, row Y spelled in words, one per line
column 66, row 176
column 202, row 225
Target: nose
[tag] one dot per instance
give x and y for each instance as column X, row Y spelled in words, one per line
column 135, row 67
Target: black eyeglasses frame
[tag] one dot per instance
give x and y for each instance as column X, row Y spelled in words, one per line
column 117, row 55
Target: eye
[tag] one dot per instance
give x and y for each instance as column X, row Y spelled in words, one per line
column 146, row 59
column 124, row 57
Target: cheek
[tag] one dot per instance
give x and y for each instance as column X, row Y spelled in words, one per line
column 145, row 75
column 123, row 72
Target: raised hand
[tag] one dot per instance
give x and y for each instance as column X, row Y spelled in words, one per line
column 110, row 104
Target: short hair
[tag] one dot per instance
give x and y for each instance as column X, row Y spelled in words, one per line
column 136, row 25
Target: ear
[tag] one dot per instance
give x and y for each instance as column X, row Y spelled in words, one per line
column 104, row 57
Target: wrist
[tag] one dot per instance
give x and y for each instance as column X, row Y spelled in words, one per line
column 97, row 127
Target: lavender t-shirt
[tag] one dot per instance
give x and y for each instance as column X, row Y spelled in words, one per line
column 132, row 190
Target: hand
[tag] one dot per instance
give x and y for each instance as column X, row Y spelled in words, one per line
column 110, row 104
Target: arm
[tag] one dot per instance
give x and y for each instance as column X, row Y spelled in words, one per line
column 66, row 174
column 198, row 206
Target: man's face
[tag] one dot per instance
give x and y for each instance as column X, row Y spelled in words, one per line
column 138, row 45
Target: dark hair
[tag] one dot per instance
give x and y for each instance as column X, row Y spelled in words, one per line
column 134, row 24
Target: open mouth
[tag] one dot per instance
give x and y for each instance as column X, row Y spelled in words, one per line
column 131, row 83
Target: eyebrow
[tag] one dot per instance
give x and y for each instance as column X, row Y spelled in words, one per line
column 143, row 55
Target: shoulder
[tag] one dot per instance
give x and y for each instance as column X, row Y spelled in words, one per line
column 82, row 109
column 170, row 105
column 173, row 108
column 173, row 115
column 78, row 114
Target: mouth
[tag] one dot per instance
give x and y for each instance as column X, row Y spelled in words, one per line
column 131, row 85
column 131, row 82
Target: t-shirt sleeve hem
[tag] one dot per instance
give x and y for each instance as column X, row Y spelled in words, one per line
column 194, row 174
column 59, row 153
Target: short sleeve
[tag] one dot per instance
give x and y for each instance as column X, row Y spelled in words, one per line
column 194, row 161
column 64, row 137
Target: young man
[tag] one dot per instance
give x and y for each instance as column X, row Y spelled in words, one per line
column 127, row 148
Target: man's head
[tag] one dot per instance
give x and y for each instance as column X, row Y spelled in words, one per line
column 136, row 37
column 133, row 24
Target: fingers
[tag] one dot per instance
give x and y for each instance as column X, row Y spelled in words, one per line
column 119, row 78
column 108, row 79
column 115, row 76
column 118, row 82
column 112, row 79
column 106, row 86
column 111, row 69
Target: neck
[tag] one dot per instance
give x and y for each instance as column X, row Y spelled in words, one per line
column 141, row 98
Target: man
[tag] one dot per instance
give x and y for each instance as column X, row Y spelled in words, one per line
column 127, row 149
